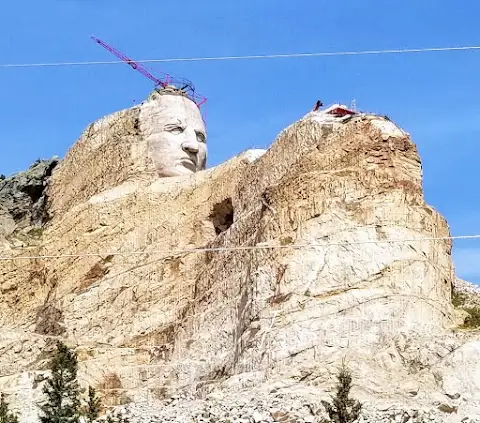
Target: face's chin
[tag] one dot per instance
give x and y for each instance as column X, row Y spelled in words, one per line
column 181, row 164
column 178, row 170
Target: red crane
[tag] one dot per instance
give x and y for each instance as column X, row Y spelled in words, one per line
column 180, row 83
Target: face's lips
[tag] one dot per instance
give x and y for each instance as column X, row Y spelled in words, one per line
column 188, row 164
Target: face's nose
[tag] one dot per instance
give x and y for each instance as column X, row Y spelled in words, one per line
column 191, row 146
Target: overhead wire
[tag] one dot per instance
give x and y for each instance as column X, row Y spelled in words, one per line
column 235, row 248
column 246, row 57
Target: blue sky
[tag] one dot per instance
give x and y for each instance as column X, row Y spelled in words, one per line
column 434, row 96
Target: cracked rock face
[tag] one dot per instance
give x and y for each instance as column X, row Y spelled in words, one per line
column 163, row 320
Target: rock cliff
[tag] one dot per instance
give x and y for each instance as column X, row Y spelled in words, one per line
column 260, row 274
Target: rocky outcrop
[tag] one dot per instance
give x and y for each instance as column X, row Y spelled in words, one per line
column 262, row 273
column 22, row 198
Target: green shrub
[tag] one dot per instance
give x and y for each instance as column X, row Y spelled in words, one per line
column 343, row 409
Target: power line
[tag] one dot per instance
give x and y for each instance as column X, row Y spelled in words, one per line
column 246, row 57
column 237, row 248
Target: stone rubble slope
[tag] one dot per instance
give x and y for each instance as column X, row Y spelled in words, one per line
column 292, row 406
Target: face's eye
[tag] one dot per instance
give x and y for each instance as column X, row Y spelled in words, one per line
column 200, row 137
column 176, row 130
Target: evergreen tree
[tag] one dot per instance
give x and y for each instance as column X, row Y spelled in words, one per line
column 93, row 406
column 343, row 409
column 116, row 418
column 5, row 415
column 61, row 389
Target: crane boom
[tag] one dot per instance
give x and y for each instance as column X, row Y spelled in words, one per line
column 131, row 63
column 181, row 84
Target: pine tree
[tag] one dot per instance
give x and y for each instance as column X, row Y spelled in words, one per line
column 5, row 415
column 61, row 389
column 343, row 409
column 93, row 406
column 117, row 418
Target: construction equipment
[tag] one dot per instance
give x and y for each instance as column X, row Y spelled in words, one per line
column 340, row 111
column 318, row 104
column 167, row 81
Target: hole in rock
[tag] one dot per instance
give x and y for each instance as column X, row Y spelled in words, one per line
column 222, row 215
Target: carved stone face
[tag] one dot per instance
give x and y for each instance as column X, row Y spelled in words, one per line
column 177, row 136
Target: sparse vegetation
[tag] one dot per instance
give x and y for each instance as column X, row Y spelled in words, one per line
column 472, row 321
column 35, row 232
column 343, row 409
column 286, row 240
column 444, row 408
column 458, row 299
column 5, row 415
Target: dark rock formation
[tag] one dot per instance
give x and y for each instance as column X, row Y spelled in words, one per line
column 23, row 199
